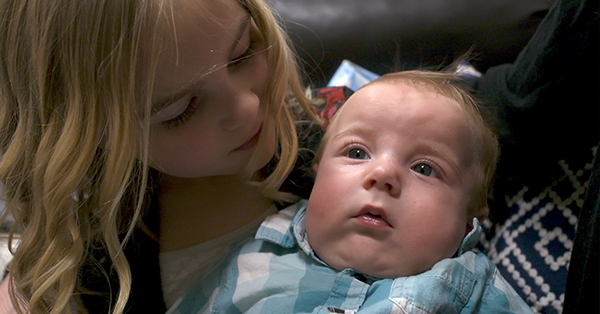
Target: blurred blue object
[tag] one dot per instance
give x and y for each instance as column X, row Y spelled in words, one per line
column 467, row 70
column 351, row 75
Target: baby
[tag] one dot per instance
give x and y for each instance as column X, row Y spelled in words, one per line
column 402, row 179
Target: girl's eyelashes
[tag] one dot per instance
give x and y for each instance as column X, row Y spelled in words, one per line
column 193, row 105
column 249, row 53
column 255, row 46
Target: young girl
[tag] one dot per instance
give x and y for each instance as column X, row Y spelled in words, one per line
column 115, row 112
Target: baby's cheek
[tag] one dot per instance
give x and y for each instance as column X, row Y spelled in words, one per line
column 318, row 217
column 444, row 238
column 315, row 215
column 453, row 240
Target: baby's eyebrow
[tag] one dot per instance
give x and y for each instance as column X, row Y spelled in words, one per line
column 436, row 151
column 355, row 130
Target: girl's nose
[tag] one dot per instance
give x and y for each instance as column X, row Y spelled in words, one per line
column 384, row 175
column 239, row 108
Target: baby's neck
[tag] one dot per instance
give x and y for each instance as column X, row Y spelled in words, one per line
column 193, row 211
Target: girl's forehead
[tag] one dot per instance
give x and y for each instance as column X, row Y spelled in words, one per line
column 203, row 6
column 203, row 35
column 210, row 18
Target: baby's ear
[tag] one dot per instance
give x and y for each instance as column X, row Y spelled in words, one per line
column 481, row 214
column 315, row 166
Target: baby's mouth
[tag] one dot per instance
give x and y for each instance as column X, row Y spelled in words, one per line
column 374, row 217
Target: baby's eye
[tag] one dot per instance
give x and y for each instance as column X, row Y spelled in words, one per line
column 357, row 153
column 426, row 170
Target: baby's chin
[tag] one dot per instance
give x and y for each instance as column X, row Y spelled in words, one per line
column 382, row 270
column 391, row 272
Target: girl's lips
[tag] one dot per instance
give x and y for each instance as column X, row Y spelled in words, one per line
column 250, row 143
column 373, row 217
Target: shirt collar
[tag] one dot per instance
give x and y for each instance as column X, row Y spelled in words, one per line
column 287, row 229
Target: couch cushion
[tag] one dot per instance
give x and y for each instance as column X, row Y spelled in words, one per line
column 384, row 35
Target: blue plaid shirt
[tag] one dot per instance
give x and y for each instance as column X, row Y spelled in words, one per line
column 278, row 272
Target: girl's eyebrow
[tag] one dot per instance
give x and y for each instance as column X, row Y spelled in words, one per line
column 240, row 33
column 193, row 85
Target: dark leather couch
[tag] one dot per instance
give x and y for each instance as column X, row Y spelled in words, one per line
column 387, row 35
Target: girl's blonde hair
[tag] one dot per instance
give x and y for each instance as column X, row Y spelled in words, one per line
column 481, row 123
column 74, row 143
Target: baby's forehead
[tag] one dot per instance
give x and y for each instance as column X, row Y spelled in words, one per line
column 415, row 87
column 403, row 101
column 397, row 102
column 385, row 96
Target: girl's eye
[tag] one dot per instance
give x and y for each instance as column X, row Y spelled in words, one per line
column 187, row 114
column 357, row 153
column 255, row 46
column 425, row 169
